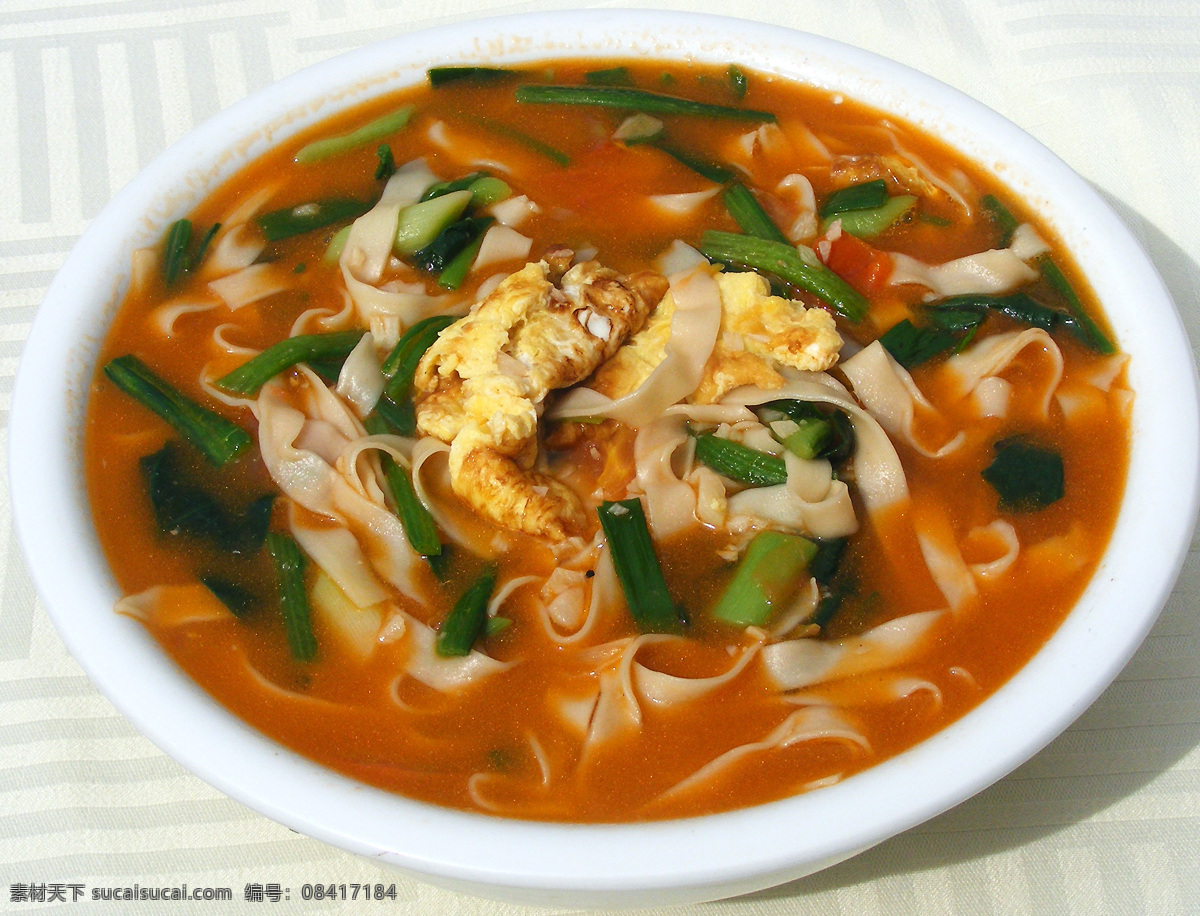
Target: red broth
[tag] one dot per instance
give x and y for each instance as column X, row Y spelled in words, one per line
column 521, row 741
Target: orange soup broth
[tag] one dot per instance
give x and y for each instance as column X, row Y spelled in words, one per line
column 359, row 717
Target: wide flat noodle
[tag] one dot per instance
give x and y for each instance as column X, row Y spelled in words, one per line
column 996, row 271
column 446, row 675
column 993, row 355
column 811, row 723
column 799, row 663
column 891, row 396
column 166, row 606
column 878, row 473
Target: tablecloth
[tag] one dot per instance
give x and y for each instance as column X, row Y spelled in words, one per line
column 1106, row 820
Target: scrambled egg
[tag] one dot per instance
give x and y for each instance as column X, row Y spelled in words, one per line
column 482, row 384
column 759, row 332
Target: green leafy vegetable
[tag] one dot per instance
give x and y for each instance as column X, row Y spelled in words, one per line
column 1005, row 222
column 1026, row 476
column 614, row 76
column 911, row 346
column 183, row 506
column 175, row 250
column 240, row 601
column 1087, row 330
column 737, row 81
column 441, row 252
column 386, row 167
column 443, row 76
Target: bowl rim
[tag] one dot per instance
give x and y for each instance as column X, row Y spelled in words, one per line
column 51, row 516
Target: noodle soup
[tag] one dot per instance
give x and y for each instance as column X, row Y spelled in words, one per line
column 627, row 459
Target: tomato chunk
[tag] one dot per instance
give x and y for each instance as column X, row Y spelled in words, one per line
column 865, row 268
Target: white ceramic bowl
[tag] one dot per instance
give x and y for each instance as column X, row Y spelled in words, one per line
column 645, row 864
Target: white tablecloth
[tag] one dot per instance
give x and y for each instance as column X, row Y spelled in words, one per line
column 1106, row 820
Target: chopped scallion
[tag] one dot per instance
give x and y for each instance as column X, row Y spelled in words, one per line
column 787, row 263
column 253, row 374
column 381, row 127
column 290, row 221
column 467, row 619
column 293, row 597
column 218, row 438
column 637, row 566
column 635, row 100
column 740, row 462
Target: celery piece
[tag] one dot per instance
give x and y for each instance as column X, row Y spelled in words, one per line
column 740, row 462
column 487, row 190
column 637, row 566
column 805, row 438
column 256, row 372
column 639, row 128
column 768, row 574
column 218, row 438
column 467, row 619
column 635, row 100
column 421, row 223
column 787, row 263
column 381, row 127
column 293, row 598
column 337, row 244
column 869, row 224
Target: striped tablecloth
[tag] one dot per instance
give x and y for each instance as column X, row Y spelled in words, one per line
column 1105, row 821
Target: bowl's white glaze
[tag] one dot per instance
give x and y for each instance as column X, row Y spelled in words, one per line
column 622, row 865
